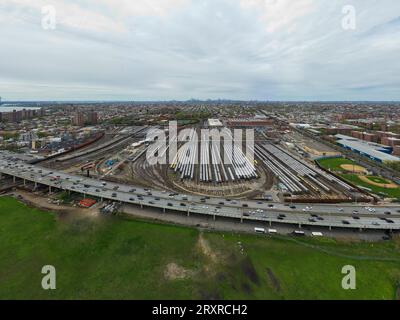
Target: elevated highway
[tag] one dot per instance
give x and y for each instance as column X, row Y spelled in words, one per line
column 266, row 213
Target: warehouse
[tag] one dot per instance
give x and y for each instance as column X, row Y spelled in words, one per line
column 374, row 151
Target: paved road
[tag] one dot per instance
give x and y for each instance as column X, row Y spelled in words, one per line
column 329, row 216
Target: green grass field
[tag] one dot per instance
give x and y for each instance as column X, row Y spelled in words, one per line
column 119, row 258
column 392, row 193
column 334, row 164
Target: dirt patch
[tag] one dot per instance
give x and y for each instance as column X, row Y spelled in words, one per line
column 64, row 211
column 274, row 280
column 354, row 168
column 389, row 185
column 176, row 272
column 205, row 249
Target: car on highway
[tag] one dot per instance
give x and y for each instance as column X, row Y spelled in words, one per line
column 345, row 222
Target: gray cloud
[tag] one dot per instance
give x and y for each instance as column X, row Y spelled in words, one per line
column 179, row 49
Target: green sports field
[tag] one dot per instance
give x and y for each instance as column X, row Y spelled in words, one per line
column 334, row 164
column 119, row 258
column 355, row 179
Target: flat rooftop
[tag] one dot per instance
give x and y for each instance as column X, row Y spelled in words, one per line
column 214, row 123
column 368, row 148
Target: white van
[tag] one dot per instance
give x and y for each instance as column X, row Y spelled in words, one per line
column 272, row 231
column 317, row 234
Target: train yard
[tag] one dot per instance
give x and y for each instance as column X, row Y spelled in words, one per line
column 205, row 165
column 211, row 162
column 303, row 180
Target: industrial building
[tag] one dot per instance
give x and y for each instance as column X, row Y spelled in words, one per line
column 214, row 123
column 374, row 151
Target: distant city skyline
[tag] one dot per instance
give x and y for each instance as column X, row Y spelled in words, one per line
column 153, row 50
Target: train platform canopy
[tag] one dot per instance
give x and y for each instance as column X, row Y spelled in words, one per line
column 374, row 151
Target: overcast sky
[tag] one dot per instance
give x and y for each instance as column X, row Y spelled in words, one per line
column 182, row 49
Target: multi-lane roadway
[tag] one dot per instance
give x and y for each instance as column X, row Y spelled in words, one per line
column 355, row 216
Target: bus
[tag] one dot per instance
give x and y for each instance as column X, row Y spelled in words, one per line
column 259, row 230
column 317, row 234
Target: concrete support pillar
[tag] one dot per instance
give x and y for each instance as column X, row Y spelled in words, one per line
column 163, row 210
column 24, row 183
column 188, row 213
column 14, row 179
column 214, row 217
column 36, row 185
column 270, row 223
column 300, row 226
column 50, row 189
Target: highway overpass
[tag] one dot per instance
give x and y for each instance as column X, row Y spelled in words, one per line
column 266, row 213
